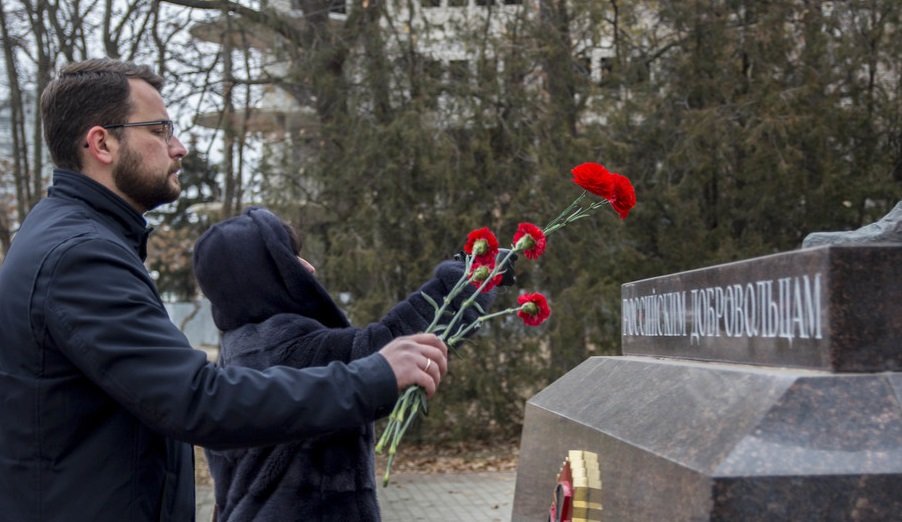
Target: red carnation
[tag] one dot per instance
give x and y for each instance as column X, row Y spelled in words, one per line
column 480, row 272
column 595, row 178
column 534, row 309
column 624, row 196
column 483, row 245
column 532, row 238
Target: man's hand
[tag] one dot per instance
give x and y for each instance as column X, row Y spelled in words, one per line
column 420, row 359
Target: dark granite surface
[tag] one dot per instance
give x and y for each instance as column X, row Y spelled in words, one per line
column 825, row 425
column 834, row 308
column 646, row 496
column 688, row 440
column 687, row 411
column 816, row 498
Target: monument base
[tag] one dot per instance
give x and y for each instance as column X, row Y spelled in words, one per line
column 690, row 440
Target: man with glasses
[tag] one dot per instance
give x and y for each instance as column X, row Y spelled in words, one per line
column 102, row 394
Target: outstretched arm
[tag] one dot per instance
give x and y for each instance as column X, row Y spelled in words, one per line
column 415, row 313
column 308, row 343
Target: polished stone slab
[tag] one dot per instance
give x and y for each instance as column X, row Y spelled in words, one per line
column 690, row 440
column 835, row 308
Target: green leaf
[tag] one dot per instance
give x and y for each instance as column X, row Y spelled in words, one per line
column 430, row 300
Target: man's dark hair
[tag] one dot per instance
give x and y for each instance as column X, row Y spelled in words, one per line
column 84, row 94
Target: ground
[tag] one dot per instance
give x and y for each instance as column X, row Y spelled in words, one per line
column 426, row 458
column 446, row 458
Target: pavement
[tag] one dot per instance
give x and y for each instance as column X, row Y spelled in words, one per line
column 449, row 497
column 436, row 497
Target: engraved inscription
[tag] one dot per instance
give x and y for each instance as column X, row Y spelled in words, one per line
column 786, row 307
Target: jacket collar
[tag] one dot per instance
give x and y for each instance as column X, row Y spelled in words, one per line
column 68, row 184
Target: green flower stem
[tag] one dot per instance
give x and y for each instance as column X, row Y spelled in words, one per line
column 413, row 399
column 464, row 331
column 418, row 399
column 402, row 405
column 572, row 213
column 580, row 213
column 554, row 222
column 457, row 289
column 472, row 299
column 413, row 414
column 387, row 475
column 394, row 419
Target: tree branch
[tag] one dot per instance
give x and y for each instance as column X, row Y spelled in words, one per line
column 277, row 21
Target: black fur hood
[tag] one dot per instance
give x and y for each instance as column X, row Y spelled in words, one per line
column 262, row 277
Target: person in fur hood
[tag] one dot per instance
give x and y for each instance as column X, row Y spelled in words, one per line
column 272, row 311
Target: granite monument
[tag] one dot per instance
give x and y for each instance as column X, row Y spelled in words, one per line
column 766, row 389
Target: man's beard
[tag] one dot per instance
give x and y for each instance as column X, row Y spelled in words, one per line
column 147, row 189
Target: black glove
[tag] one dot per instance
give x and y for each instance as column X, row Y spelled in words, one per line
column 509, row 278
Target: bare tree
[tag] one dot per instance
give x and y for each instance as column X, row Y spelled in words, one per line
column 20, row 164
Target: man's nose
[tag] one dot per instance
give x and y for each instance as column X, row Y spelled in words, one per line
column 177, row 149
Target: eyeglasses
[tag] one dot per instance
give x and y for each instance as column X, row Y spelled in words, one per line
column 167, row 127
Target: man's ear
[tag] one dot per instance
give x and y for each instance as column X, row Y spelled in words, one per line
column 100, row 146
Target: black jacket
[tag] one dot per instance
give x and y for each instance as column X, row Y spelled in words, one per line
column 274, row 312
column 98, row 386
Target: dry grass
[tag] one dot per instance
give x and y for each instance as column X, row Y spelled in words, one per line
column 422, row 458
column 454, row 457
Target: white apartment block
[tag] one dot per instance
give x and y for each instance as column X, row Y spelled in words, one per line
column 435, row 27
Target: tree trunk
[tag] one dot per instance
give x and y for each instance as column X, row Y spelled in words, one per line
column 229, row 205
column 43, row 78
column 558, row 65
column 5, row 231
column 17, row 120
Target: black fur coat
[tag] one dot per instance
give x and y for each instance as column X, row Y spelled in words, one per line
column 273, row 312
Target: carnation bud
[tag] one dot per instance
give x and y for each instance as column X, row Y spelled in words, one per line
column 480, row 247
column 530, row 308
column 525, row 243
column 481, row 273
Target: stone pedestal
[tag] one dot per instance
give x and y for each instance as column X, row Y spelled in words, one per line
column 768, row 389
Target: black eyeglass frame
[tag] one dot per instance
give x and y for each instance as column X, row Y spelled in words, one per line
column 169, row 125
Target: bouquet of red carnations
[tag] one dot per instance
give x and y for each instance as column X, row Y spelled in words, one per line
column 483, row 269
